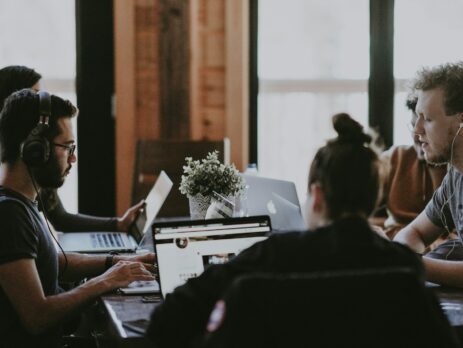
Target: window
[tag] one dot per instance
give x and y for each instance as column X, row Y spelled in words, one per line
column 41, row 35
column 426, row 34
column 313, row 61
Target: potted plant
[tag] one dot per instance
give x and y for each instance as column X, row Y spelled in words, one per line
column 201, row 178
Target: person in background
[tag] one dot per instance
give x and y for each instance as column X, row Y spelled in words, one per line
column 14, row 78
column 33, row 307
column 439, row 124
column 343, row 185
column 410, row 183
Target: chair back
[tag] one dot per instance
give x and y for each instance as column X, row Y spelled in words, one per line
column 371, row 308
column 152, row 156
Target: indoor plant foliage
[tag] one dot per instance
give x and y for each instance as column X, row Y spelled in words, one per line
column 208, row 175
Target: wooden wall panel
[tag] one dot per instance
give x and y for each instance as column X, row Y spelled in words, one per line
column 207, row 69
column 174, row 69
column 147, row 65
column 124, row 44
column 181, row 72
column 136, row 28
column 219, row 71
column 237, row 80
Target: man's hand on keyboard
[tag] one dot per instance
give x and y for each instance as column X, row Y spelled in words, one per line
column 146, row 259
column 123, row 273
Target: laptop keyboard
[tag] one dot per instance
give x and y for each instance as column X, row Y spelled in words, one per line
column 107, row 240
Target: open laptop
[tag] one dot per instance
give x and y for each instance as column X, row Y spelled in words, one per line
column 276, row 198
column 185, row 249
column 101, row 242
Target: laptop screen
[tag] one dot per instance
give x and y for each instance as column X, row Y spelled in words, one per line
column 185, row 249
column 278, row 199
column 153, row 204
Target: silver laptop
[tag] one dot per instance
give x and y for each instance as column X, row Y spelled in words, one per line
column 276, row 198
column 185, row 249
column 101, row 242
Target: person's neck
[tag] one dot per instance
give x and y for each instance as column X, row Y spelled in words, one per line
column 457, row 163
column 458, row 167
column 456, row 157
column 16, row 177
column 319, row 221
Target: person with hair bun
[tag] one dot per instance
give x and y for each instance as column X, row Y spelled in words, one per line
column 343, row 186
column 14, row 78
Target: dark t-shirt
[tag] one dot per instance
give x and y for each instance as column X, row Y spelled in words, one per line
column 347, row 244
column 23, row 235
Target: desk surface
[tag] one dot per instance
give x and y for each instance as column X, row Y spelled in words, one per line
column 122, row 308
column 451, row 301
column 126, row 308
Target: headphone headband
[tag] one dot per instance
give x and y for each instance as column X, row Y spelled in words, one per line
column 35, row 150
column 44, row 104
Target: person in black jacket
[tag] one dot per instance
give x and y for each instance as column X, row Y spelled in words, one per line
column 14, row 78
column 344, row 184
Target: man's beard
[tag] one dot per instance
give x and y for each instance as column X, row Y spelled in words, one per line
column 439, row 160
column 49, row 175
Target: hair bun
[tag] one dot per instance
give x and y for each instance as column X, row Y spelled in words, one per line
column 350, row 130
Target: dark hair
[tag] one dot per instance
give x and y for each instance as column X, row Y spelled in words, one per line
column 449, row 77
column 14, row 78
column 348, row 170
column 21, row 114
column 411, row 102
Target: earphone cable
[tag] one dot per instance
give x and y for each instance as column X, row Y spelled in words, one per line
column 447, row 201
column 48, row 225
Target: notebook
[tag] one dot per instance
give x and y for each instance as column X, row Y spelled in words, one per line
column 276, row 198
column 185, row 249
column 101, row 242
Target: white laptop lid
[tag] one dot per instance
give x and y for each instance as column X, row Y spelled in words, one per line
column 153, row 203
column 156, row 198
column 184, row 249
column 286, row 215
column 276, row 198
column 86, row 241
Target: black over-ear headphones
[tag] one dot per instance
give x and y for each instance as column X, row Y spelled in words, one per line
column 35, row 150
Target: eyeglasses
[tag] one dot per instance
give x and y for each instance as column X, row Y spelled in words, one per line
column 71, row 148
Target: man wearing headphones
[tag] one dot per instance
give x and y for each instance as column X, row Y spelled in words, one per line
column 37, row 150
column 14, row 78
column 439, row 129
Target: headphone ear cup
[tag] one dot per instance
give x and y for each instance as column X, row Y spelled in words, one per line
column 35, row 150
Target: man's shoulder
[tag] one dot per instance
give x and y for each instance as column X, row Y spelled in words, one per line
column 13, row 207
column 402, row 153
column 8, row 201
column 398, row 157
column 454, row 174
column 398, row 150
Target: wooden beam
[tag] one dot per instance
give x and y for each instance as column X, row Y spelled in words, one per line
column 124, row 34
column 237, row 80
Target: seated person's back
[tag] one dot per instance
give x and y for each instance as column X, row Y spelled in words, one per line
column 344, row 183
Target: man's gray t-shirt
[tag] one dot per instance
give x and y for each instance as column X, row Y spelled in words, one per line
column 23, row 235
column 445, row 209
